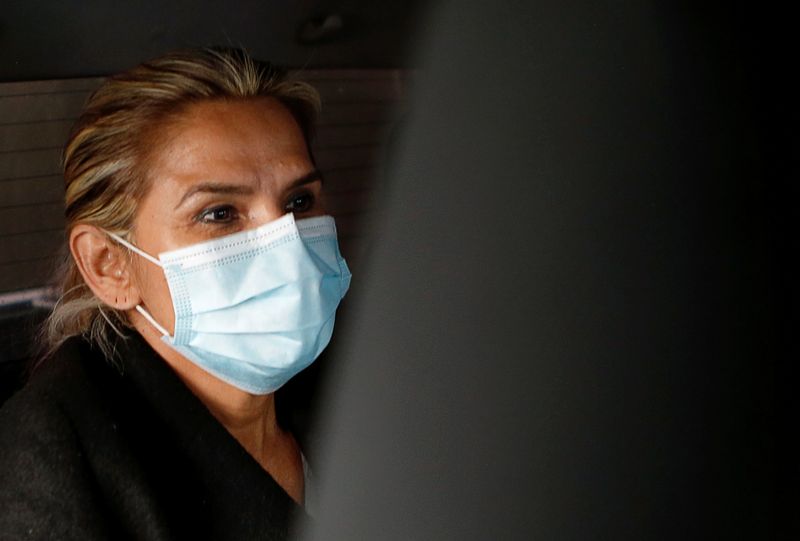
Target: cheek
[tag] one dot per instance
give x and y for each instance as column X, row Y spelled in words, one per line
column 154, row 293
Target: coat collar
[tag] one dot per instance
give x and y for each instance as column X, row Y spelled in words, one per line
column 235, row 484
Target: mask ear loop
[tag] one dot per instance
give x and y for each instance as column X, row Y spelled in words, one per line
column 152, row 320
column 133, row 248
column 153, row 260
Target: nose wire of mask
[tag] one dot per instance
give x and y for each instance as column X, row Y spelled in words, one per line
column 139, row 307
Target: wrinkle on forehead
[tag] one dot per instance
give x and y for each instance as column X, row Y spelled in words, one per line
column 256, row 138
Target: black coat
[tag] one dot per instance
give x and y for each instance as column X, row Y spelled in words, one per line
column 95, row 450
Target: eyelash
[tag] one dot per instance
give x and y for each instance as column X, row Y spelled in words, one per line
column 308, row 196
column 210, row 216
column 203, row 217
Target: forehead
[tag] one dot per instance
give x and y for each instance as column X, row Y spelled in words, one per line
column 205, row 113
column 247, row 132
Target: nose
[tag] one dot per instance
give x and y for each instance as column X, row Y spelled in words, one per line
column 266, row 208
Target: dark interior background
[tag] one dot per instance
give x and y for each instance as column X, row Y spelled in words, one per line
column 52, row 39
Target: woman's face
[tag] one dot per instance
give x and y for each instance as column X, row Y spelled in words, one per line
column 225, row 167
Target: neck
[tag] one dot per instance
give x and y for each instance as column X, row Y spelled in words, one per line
column 251, row 419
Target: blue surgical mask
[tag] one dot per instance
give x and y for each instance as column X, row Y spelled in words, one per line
column 256, row 307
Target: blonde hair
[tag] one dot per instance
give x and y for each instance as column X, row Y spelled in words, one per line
column 106, row 154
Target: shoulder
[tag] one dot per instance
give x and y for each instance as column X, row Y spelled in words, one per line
column 42, row 465
column 67, row 392
column 58, row 389
column 53, row 384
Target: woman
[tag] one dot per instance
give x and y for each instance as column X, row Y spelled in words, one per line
column 203, row 275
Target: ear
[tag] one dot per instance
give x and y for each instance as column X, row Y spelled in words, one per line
column 104, row 265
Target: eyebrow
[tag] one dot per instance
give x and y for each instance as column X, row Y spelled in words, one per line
column 308, row 178
column 241, row 189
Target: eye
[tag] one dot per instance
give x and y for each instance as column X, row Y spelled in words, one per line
column 299, row 203
column 223, row 214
